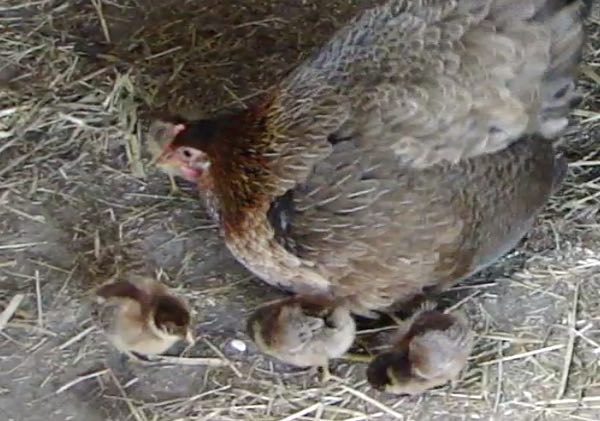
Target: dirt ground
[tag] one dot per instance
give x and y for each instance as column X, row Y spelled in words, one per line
column 79, row 204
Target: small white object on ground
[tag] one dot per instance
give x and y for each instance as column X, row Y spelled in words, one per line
column 238, row 345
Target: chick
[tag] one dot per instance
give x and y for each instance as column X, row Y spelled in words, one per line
column 141, row 316
column 432, row 350
column 305, row 331
column 159, row 135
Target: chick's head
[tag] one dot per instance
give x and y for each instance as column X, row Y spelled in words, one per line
column 390, row 372
column 172, row 317
column 263, row 326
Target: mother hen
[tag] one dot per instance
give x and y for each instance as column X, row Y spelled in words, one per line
column 411, row 151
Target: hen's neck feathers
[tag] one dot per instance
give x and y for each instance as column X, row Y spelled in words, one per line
column 237, row 146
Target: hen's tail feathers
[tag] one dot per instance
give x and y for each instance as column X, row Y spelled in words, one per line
column 565, row 20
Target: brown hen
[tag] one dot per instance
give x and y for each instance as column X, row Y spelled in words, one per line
column 410, row 152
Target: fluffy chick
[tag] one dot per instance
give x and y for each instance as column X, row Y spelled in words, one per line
column 142, row 316
column 303, row 331
column 159, row 136
column 433, row 349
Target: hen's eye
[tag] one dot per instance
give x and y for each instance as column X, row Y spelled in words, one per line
column 186, row 153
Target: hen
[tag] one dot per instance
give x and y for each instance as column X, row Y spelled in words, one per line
column 411, row 151
column 433, row 350
column 303, row 331
column 141, row 316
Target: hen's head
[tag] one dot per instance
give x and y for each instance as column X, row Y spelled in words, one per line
column 183, row 148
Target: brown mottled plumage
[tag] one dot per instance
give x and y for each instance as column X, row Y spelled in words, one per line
column 303, row 331
column 432, row 350
column 375, row 169
column 142, row 316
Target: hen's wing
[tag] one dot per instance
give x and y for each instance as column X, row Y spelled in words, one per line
column 428, row 81
column 365, row 132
